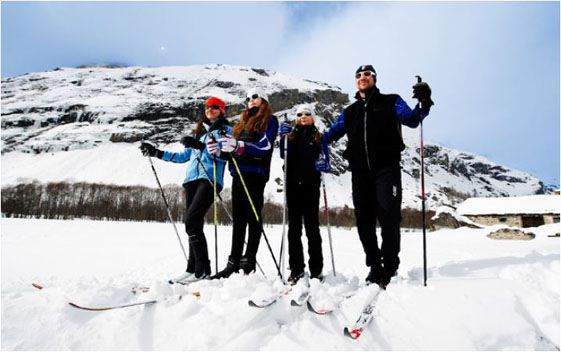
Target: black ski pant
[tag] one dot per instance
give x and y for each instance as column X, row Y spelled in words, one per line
column 199, row 196
column 303, row 203
column 244, row 215
column 377, row 195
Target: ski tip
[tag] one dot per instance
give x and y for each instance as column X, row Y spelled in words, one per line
column 37, row 286
column 353, row 334
column 89, row 308
column 294, row 303
column 310, row 307
column 320, row 311
column 253, row 304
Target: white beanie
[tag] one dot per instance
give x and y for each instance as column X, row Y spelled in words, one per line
column 260, row 92
column 306, row 109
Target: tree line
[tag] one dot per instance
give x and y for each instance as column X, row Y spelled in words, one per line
column 63, row 200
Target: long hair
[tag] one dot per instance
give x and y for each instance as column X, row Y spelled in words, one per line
column 317, row 135
column 200, row 129
column 257, row 123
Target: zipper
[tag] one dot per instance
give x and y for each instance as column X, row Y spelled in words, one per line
column 366, row 132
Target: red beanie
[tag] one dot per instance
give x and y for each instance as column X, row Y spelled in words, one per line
column 216, row 101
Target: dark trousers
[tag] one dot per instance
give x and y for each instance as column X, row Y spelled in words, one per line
column 377, row 195
column 303, row 202
column 244, row 215
column 199, row 196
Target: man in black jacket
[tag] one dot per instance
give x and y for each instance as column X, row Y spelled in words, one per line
column 373, row 127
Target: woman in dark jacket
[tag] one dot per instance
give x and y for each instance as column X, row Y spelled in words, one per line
column 302, row 192
column 251, row 145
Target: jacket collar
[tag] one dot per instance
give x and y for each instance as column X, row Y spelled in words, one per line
column 370, row 92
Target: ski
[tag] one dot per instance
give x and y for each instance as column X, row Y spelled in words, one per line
column 134, row 289
column 126, row 305
column 364, row 319
column 325, row 311
column 140, row 289
column 263, row 303
column 322, row 311
column 300, row 300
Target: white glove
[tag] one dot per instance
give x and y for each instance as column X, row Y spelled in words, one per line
column 229, row 144
column 213, row 147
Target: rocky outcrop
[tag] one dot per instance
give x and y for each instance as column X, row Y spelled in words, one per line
column 511, row 234
column 447, row 217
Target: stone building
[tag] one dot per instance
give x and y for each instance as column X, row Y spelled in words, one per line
column 526, row 211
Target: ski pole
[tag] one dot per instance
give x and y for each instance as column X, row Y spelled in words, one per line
column 328, row 225
column 256, row 216
column 284, row 209
column 167, row 207
column 225, row 208
column 422, row 151
column 215, row 217
column 423, row 206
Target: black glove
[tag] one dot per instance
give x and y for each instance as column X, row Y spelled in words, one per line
column 192, row 142
column 149, row 149
column 422, row 92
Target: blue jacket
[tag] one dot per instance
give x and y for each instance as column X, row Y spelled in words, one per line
column 258, row 150
column 194, row 170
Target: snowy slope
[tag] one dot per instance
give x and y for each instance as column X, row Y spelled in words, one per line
column 85, row 125
column 482, row 294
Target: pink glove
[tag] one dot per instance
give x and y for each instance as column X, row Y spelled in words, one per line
column 213, row 147
column 229, row 145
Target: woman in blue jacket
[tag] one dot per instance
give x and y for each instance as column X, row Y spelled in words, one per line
column 251, row 145
column 201, row 153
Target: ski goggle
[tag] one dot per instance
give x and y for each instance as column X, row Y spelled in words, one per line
column 253, row 97
column 212, row 107
column 302, row 114
column 359, row 75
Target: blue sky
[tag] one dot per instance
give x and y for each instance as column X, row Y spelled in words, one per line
column 493, row 66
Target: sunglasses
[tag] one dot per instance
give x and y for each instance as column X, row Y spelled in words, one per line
column 213, row 107
column 364, row 73
column 253, row 97
column 302, row 114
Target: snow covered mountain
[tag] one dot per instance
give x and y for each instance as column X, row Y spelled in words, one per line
column 85, row 124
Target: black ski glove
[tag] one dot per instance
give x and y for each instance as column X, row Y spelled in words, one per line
column 192, row 142
column 422, row 92
column 149, row 149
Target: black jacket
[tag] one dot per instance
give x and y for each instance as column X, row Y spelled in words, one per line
column 373, row 130
column 303, row 152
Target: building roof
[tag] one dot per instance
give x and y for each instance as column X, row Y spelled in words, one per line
column 536, row 204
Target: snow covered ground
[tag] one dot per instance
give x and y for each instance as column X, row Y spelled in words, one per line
column 482, row 294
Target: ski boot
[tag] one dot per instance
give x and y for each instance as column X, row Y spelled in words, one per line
column 232, row 267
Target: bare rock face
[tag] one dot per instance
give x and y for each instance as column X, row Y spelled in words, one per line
column 511, row 234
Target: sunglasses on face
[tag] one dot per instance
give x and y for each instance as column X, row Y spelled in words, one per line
column 212, row 107
column 253, row 97
column 304, row 114
column 364, row 73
